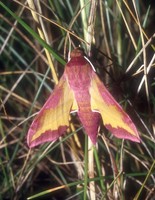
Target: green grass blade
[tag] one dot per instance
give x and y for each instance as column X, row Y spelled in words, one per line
column 34, row 34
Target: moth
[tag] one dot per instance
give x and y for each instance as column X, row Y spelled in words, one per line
column 80, row 90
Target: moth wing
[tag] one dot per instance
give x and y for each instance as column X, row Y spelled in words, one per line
column 113, row 116
column 53, row 118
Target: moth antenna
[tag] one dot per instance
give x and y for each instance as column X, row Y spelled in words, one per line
column 69, row 56
column 90, row 63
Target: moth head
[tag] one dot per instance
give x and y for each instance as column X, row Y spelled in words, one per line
column 78, row 52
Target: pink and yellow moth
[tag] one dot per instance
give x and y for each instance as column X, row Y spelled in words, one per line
column 80, row 90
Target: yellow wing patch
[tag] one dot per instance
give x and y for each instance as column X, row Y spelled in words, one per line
column 55, row 112
column 111, row 112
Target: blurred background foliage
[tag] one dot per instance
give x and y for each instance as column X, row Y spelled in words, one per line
column 35, row 39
